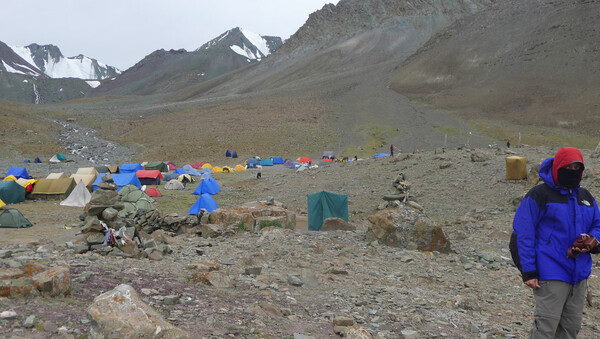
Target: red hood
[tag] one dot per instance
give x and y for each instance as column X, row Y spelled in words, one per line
column 564, row 157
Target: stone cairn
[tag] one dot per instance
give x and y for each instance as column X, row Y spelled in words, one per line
column 114, row 226
column 401, row 187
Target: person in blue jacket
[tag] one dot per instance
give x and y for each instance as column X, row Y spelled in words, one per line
column 547, row 223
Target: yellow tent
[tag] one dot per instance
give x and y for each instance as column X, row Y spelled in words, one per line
column 217, row 169
column 2, row 203
column 59, row 175
column 53, row 188
column 25, row 182
column 207, row 165
column 239, row 168
column 87, row 171
column 10, row 177
column 227, row 169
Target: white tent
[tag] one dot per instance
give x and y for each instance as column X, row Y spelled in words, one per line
column 79, row 197
column 174, row 185
column 54, row 159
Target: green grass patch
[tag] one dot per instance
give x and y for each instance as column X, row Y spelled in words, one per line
column 266, row 223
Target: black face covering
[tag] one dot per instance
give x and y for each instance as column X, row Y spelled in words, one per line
column 569, row 178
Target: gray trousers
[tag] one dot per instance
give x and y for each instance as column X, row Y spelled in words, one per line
column 558, row 309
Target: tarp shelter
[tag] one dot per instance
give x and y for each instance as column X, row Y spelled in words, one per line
column 11, row 192
column 234, row 154
column 190, row 170
column 239, row 168
column 266, row 162
column 58, row 157
column 149, row 177
column 159, row 165
column 50, row 189
column 37, row 160
column 18, row 172
column 11, row 218
column 174, row 185
column 113, row 169
column 205, row 201
column 277, row 160
column 130, row 168
column 121, row 180
column 328, row 155
column 252, row 162
column 153, row 192
column 323, row 205
column 209, row 186
column 306, row 160
column 228, row 153
column 102, row 169
column 79, row 197
column 379, row 155
column 57, row 175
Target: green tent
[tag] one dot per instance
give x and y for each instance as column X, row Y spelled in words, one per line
column 11, row 218
column 323, row 205
column 161, row 166
column 11, row 192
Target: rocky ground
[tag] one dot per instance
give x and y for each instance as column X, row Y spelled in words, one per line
column 292, row 282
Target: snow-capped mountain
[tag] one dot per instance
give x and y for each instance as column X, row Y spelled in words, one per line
column 245, row 43
column 35, row 60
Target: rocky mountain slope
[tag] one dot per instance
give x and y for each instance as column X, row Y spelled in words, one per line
column 41, row 74
column 167, row 71
column 530, row 62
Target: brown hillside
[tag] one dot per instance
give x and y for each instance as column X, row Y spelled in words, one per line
column 529, row 62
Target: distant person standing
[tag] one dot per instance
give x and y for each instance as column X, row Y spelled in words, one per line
column 507, row 143
column 392, row 150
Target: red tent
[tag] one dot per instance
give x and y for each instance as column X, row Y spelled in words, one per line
column 198, row 164
column 149, row 177
column 305, row 160
column 153, row 192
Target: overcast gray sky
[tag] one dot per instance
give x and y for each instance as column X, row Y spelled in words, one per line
column 122, row 32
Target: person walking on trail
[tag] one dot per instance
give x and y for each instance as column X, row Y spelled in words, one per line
column 554, row 230
column 392, row 150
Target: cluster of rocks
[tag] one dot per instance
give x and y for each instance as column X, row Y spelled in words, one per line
column 120, row 223
column 34, row 278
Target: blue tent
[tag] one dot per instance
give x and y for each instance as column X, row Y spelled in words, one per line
column 179, row 171
column 266, row 162
column 234, row 154
column 209, row 186
column 378, row 155
column 206, row 170
column 27, row 161
column 170, row 176
column 205, row 175
column 205, row 201
column 228, row 153
column 130, row 168
column 37, row 160
column 18, row 172
column 190, row 170
column 121, row 180
column 277, row 160
column 252, row 162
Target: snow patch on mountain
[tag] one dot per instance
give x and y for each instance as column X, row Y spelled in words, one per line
column 79, row 66
column 259, row 42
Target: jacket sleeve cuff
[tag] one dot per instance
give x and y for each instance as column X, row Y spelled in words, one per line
column 530, row 275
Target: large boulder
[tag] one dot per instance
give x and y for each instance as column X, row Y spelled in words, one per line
column 407, row 228
column 120, row 313
column 250, row 213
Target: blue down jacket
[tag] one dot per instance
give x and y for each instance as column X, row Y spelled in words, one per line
column 546, row 224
